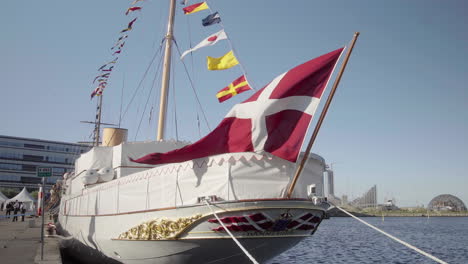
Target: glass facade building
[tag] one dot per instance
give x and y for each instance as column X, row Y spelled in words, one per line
column 20, row 157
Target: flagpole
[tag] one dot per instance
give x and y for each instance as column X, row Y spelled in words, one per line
column 166, row 72
column 322, row 117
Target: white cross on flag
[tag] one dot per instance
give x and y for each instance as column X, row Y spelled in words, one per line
column 275, row 119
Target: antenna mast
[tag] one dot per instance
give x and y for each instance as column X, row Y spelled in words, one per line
column 166, row 72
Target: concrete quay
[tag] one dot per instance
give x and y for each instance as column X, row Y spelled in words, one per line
column 20, row 242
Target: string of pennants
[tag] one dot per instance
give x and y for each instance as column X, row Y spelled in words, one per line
column 224, row 62
column 105, row 70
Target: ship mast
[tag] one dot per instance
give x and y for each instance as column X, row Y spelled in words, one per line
column 166, row 75
column 98, row 122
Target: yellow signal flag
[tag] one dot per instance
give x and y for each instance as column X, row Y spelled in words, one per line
column 195, row 8
column 222, row 63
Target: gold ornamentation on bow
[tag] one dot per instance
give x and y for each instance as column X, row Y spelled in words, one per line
column 159, row 229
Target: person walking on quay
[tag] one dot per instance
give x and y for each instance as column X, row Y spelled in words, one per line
column 9, row 208
column 16, row 207
column 23, row 211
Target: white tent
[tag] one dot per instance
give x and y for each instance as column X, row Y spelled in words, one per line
column 24, row 197
column 3, row 198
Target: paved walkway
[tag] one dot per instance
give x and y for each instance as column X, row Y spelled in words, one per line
column 20, row 243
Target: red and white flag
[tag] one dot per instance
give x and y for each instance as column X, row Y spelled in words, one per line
column 275, row 119
column 99, row 89
column 131, row 9
column 209, row 41
column 39, row 201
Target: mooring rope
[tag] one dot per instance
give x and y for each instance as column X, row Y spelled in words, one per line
column 232, row 236
column 394, row 238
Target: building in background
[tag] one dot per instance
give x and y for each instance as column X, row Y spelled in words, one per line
column 20, row 157
column 344, row 200
column 331, row 187
column 446, row 202
column 331, row 182
column 369, row 199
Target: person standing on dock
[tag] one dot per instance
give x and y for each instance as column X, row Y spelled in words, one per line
column 23, row 211
column 16, row 207
column 9, row 208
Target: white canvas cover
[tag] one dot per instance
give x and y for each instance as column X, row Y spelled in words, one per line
column 24, row 197
column 3, row 198
column 97, row 158
column 234, row 176
column 230, row 176
column 123, row 152
column 312, row 174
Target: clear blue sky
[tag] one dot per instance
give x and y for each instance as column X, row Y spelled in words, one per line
column 399, row 118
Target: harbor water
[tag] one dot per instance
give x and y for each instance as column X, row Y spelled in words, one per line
column 345, row 240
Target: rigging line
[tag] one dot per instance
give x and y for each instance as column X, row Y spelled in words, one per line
column 198, row 125
column 394, row 238
column 190, row 42
column 193, row 87
column 150, row 115
column 252, row 85
column 189, row 31
column 154, row 101
column 121, row 99
column 143, row 78
column 231, row 235
column 148, row 98
column 174, row 98
column 193, row 68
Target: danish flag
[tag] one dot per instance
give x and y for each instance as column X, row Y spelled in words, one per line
column 275, row 119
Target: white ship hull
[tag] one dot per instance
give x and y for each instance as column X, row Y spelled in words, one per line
column 158, row 215
column 96, row 238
